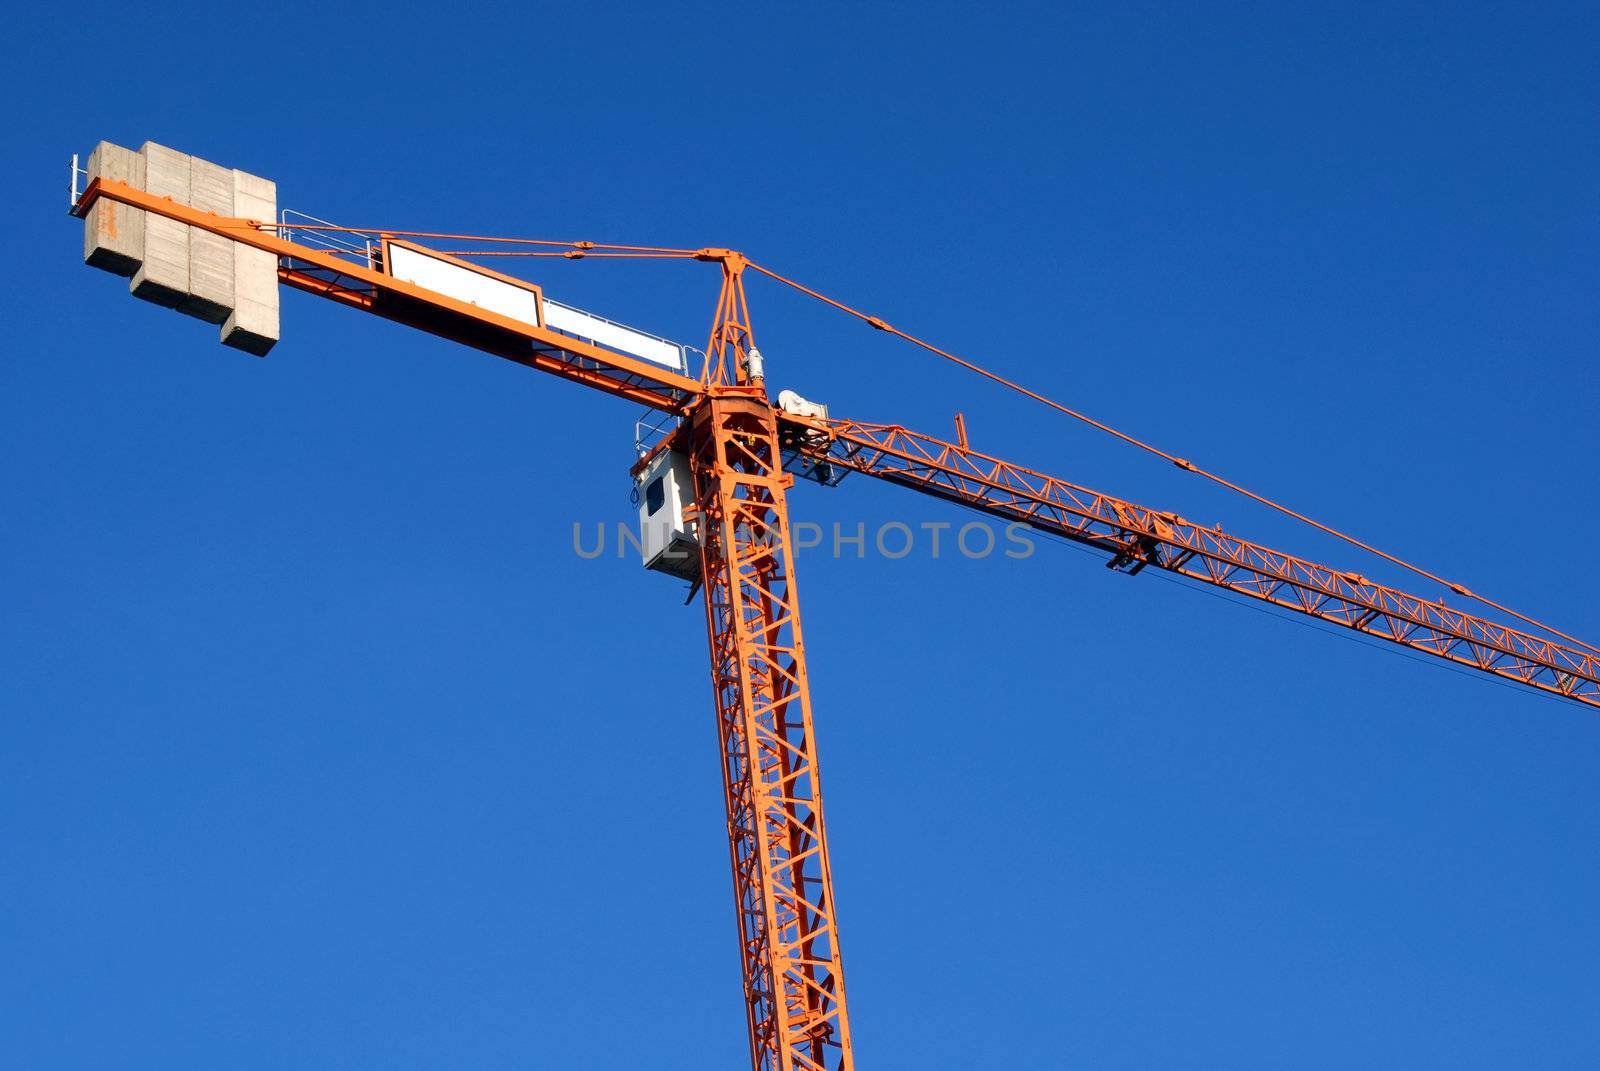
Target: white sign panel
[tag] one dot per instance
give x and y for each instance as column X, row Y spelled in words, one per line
column 613, row 336
column 456, row 280
column 521, row 302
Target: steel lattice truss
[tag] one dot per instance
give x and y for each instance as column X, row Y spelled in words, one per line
column 1137, row 536
column 783, row 888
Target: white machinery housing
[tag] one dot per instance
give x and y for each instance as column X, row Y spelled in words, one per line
column 794, row 405
column 668, row 541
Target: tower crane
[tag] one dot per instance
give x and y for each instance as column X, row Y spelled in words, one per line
column 721, row 475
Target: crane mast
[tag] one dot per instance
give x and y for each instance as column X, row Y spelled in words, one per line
column 743, row 454
column 777, row 842
column 782, row 882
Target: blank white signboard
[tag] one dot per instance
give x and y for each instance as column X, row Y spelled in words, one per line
column 464, row 284
column 614, row 336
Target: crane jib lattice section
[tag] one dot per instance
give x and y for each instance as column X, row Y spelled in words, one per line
column 1137, row 536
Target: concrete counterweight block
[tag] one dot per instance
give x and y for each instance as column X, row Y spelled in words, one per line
column 163, row 278
column 200, row 273
column 113, row 234
column 253, row 326
column 210, row 296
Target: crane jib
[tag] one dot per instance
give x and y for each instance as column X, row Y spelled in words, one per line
column 1149, row 537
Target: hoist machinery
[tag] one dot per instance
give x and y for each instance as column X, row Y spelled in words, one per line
column 713, row 501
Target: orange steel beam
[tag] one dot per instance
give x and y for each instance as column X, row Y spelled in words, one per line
column 319, row 272
column 1137, row 536
column 783, row 885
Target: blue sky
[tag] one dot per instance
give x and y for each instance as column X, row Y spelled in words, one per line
column 323, row 748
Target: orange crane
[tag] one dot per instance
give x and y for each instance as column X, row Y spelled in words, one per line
column 738, row 453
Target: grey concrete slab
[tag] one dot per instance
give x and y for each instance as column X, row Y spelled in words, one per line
column 210, row 296
column 163, row 277
column 253, row 326
column 113, row 233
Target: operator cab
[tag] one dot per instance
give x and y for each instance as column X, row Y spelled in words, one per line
column 668, row 540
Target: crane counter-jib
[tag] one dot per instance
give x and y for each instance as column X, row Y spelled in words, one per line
column 493, row 329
